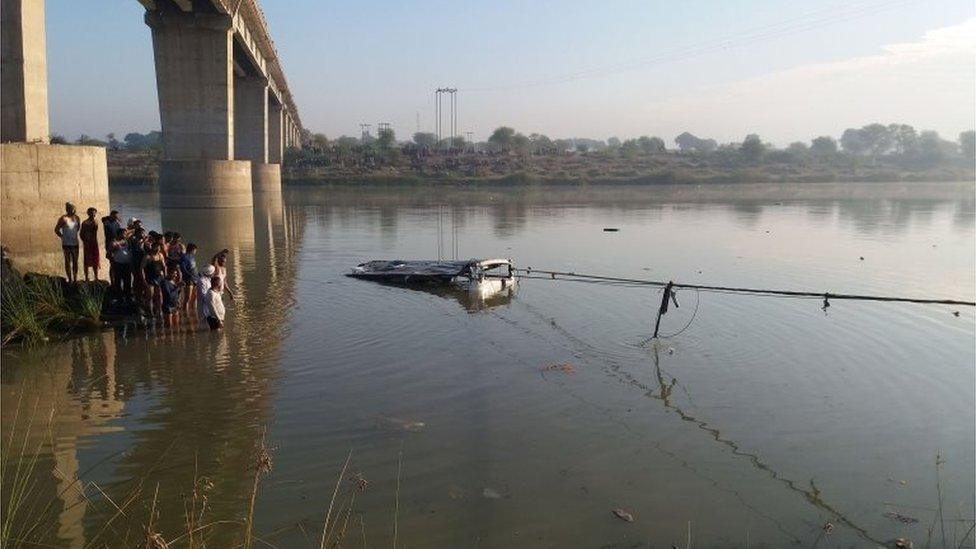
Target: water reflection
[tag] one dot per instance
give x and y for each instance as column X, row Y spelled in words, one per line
column 475, row 300
column 147, row 415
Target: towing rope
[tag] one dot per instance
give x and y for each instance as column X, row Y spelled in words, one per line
column 826, row 296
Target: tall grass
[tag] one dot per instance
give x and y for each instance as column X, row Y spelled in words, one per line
column 32, row 309
column 18, row 315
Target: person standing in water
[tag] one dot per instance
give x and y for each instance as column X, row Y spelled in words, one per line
column 67, row 230
column 215, row 304
column 111, row 224
column 189, row 274
column 219, row 262
column 89, row 238
column 203, row 286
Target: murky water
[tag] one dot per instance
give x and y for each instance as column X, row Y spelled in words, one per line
column 758, row 424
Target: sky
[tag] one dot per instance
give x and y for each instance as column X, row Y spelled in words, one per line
column 785, row 70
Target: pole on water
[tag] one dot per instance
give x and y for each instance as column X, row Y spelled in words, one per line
column 668, row 296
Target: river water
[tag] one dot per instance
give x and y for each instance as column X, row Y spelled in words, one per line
column 759, row 423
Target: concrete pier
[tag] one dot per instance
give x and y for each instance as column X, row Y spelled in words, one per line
column 37, row 178
column 194, row 58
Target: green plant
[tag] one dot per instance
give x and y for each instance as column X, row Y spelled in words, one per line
column 90, row 298
column 18, row 315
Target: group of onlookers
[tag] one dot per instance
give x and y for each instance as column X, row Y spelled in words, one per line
column 158, row 272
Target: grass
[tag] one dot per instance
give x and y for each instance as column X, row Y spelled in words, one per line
column 33, row 309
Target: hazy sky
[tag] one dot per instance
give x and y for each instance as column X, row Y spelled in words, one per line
column 786, row 70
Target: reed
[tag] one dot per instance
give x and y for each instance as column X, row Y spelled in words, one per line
column 18, row 315
column 90, row 298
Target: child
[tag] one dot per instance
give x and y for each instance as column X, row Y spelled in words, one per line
column 189, row 274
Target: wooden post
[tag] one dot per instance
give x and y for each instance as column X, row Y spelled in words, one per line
column 663, row 308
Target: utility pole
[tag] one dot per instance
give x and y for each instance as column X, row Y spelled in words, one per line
column 469, row 139
column 365, row 132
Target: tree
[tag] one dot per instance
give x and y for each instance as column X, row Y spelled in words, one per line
column 320, row 141
column 521, row 144
column 582, row 146
column 752, row 147
column 85, row 139
column 501, row 138
column 57, row 139
column 688, row 142
column 823, row 146
column 613, row 143
column 562, row 145
column 798, row 148
column 650, row 145
column 931, row 147
column 113, row 143
column 135, row 141
column 629, row 148
column 425, row 139
column 967, row 144
column 904, row 139
column 853, row 142
column 540, row 143
column 877, row 138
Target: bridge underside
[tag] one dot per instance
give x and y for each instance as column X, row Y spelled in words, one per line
column 225, row 121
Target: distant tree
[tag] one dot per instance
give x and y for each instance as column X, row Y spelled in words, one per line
column 630, row 148
column 135, row 141
column 823, row 146
column 798, row 148
column 501, row 138
column 57, row 139
column 878, row 138
column 319, row 141
column 563, row 145
column 425, row 139
column 967, row 145
column 540, row 143
column 582, row 146
column 752, row 147
column 688, row 142
column 904, row 139
column 650, row 145
column 85, row 139
column 932, row 148
column 113, row 143
column 853, row 142
column 521, row 144
column 613, row 143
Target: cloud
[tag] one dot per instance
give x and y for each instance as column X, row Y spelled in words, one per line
column 928, row 83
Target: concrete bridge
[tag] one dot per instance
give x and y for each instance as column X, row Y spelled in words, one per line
column 226, row 111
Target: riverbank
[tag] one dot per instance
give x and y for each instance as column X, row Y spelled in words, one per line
column 596, row 168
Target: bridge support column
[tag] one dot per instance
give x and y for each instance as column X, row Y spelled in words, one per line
column 23, row 72
column 251, row 132
column 194, row 79
column 276, row 141
column 37, row 178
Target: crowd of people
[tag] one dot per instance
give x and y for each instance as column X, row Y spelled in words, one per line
column 158, row 272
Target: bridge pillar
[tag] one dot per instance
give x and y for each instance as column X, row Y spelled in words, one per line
column 251, row 132
column 194, row 59
column 276, row 137
column 23, row 72
column 37, row 178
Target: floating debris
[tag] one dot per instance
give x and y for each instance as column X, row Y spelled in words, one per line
column 828, row 528
column 488, row 493
column 610, row 229
column 903, row 543
column 623, row 515
column 861, row 258
column 901, row 518
column 397, row 424
column 955, row 313
column 564, row 367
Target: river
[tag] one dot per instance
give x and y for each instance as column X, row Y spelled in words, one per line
column 757, row 422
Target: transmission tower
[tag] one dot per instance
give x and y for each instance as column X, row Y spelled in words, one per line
column 452, row 120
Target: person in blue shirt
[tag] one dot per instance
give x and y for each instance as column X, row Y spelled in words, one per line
column 188, row 270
